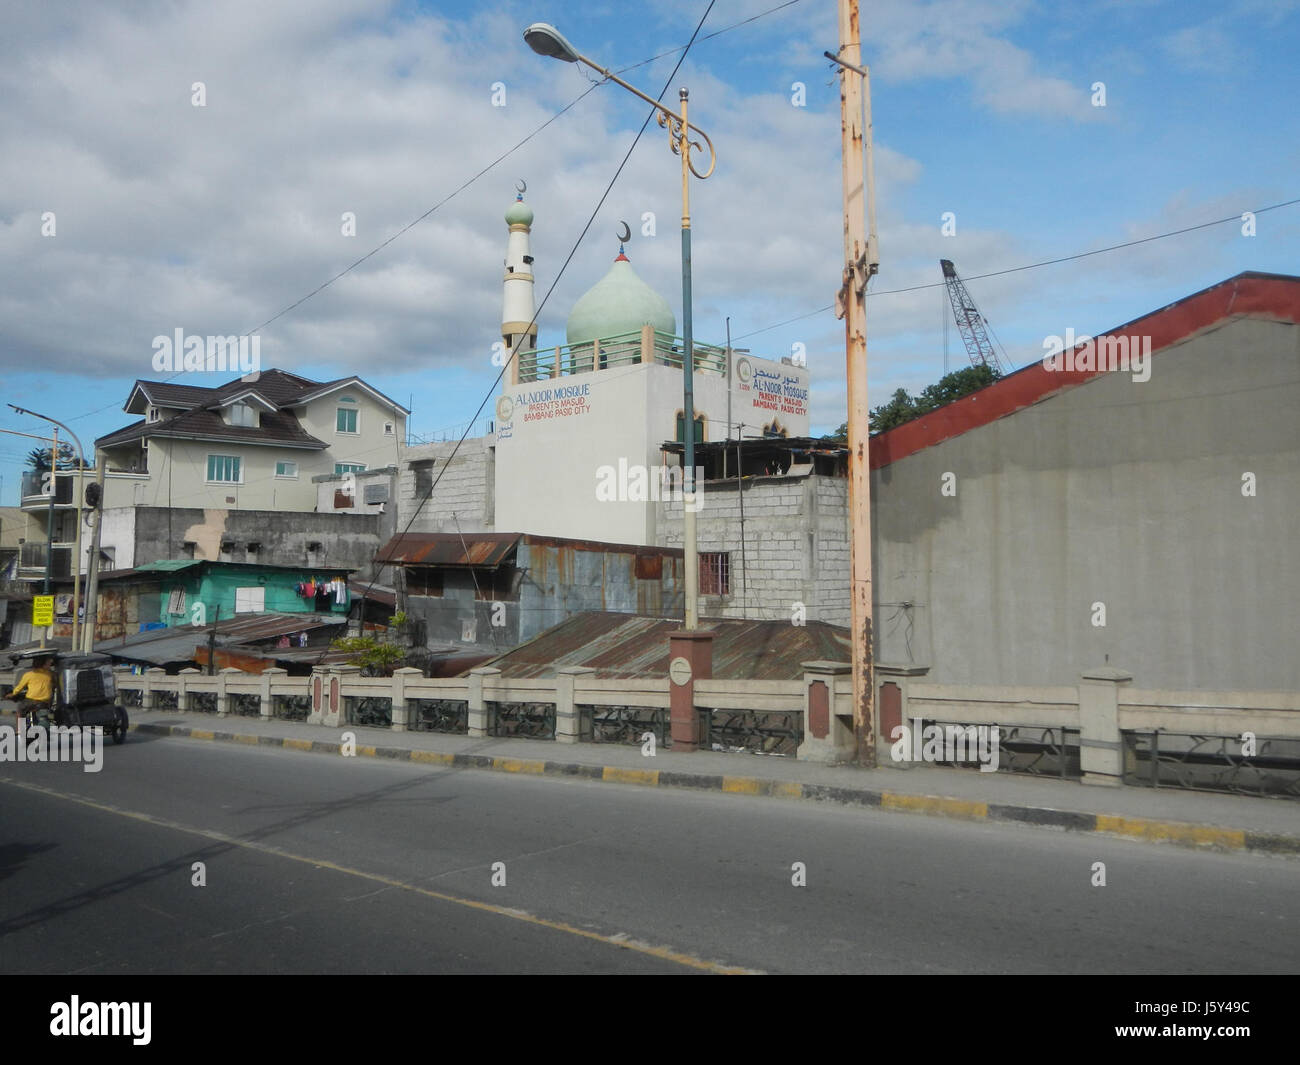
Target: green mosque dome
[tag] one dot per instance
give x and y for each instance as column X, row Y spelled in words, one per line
column 620, row 302
column 519, row 213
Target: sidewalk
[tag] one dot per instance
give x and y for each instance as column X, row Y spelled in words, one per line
column 1187, row 818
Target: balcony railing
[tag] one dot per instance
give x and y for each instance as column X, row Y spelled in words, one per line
column 31, row 561
column 37, row 484
column 626, row 349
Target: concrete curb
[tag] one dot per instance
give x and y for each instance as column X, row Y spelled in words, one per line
column 1180, row 833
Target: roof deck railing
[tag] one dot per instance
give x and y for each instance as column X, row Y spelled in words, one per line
column 645, row 345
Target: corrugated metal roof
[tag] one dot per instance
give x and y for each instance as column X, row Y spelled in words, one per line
column 449, row 549
column 176, row 644
column 627, row 645
column 168, row 565
column 378, row 593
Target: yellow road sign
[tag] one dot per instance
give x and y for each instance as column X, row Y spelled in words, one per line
column 42, row 611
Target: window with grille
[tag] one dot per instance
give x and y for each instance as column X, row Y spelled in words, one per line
column 224, row 469
column 715, row 573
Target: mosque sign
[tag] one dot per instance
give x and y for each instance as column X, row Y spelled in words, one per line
column 779, row 392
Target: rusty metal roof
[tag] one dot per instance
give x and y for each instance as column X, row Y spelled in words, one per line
column 449, row 549
column 177, row 643
column 627, row 645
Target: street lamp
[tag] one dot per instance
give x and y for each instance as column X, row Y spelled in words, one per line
column 49, row 549
column 546, row 40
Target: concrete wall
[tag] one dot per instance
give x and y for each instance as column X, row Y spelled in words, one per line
column 151, row 534
column 1116, row 492
column 795, row 546
column 552, row 449
column 464, row 497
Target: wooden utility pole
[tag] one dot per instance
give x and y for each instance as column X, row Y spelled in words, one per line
column 851, row 305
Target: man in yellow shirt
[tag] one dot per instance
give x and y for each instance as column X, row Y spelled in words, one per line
column 39, row 684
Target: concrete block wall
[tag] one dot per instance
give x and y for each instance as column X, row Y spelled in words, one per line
column 465, row 488
column 795, row 546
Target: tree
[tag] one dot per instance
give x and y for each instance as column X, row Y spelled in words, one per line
column 39, row 458
column 903, row 408
column 377, row 656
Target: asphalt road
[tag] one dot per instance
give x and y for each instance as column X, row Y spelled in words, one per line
column 316, row 863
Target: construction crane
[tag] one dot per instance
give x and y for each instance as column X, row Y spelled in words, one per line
column 971, row 324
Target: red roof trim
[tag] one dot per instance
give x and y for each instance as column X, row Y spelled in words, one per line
column 1248, row 295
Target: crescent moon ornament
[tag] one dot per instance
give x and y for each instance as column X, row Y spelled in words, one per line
column 625, row 235
column 521, row 186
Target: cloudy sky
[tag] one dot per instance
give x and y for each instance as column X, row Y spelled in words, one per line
column 217, row 219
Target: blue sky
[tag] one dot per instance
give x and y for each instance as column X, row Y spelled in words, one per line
column 215, row 219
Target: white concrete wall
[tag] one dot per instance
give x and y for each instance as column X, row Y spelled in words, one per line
column 550, row 462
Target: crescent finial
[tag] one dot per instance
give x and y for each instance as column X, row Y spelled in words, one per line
column 625, row 235
column 521, row 186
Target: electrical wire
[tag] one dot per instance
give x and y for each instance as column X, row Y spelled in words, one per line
column 1030, row 266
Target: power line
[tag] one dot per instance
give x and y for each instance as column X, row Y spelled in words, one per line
column 1030, row 266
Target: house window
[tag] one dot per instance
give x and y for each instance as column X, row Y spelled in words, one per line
column 349, row 467
column 252, row 551
column 346, row 420
column 153, row 414
column 424, row 580
column 681, row 428
column 286, row 469
column 176, row 601
column 243, row 414
column 715, row 573
column 224, row 469
column 388, row 428
column 250, row 600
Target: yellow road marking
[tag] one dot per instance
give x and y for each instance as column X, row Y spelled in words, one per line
column 614, row 775
column 1136, row 828
column 297, row 745
column 933, row 804
column 519, row 765
column 663, row 953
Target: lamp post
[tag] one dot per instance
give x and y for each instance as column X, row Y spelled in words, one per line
column 49, row 550
column 546, row 40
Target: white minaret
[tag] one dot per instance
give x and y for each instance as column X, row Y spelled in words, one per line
column 518, row 307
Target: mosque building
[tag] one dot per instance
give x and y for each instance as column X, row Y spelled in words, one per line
column 585, row 448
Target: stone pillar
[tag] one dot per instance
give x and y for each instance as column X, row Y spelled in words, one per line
column 184, row 697
column 267, row 704
column 893, row 688
column 223, row 699
column 647, row 344
column 400, row 717
column 146, row 696
column 568, row 716
column 690, row 658
column 1100, row 744
column 478, row 708
column 334, row 714
column 825, row 736
column 320, row 693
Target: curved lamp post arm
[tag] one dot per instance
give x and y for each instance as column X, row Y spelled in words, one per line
column 668, row 119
